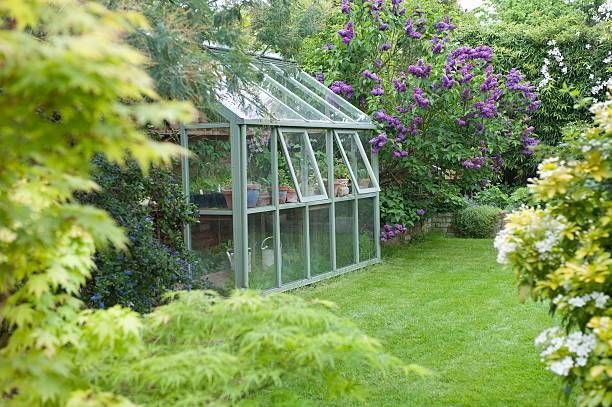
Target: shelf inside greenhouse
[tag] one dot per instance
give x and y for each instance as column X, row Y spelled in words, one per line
column 286, row 185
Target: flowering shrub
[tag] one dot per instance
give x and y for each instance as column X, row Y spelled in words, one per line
column 560, row 252
column 446, row 115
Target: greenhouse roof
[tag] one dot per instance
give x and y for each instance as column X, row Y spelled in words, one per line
column 286, row 95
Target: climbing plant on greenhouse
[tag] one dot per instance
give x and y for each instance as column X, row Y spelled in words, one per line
column 449, row 119
column 560, row 253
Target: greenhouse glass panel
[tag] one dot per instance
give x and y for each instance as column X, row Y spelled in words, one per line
column 359, row 167
column 337, row 102
column 343, row 180
column 320, row 241
column 292, row 245
column 304, row 93
column 211, row 240
column 345, row 228
column 302, row 165
column 289, row 99
column 367, row 242
column 249, row 101
column 262, row 273
column 209, row 167
column 259, row 166
column 318, row 141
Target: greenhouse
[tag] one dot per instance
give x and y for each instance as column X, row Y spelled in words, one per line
column 285, row 183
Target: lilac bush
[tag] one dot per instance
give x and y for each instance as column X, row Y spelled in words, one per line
column 449, row 121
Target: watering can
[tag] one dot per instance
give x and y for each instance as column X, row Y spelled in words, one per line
column 267, row 252
column 230, row 257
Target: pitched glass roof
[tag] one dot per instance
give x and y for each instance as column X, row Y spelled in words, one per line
column 287, row 94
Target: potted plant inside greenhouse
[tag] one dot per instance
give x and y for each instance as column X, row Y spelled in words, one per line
column 341, row 178
column 208, row 174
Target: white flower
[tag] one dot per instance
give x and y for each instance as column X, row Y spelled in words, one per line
column 543, row 337
column 562, row 367
column 580, row 361
column 600, row 299
column 577, row 302
column 504, row 246
column 588, row 46
column 591, row 76
column 564, row 69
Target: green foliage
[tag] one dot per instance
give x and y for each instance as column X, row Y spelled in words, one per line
column 518, row 198
column 70, row 89
column 525, row 33
column 492, row 196
column 560, row 253
column 282, row 25
column 201, row 349
column 477, row 221
column 152, row 210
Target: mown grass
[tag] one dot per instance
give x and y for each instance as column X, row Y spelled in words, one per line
column 445, row 304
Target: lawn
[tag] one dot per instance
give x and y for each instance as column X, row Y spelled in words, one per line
column 446, row 304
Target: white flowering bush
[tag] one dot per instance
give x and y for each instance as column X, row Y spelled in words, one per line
column 560, row 252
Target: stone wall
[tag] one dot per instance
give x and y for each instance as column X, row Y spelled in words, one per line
column 443, row 223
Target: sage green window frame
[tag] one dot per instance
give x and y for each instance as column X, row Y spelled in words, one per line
column 312, row 160
column 364, row 159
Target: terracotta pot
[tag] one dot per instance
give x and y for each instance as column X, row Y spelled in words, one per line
column 265, row 198
column 341, row 187
column 292, row 195
column 364, row 183
column 227, row 194
column 282, row 194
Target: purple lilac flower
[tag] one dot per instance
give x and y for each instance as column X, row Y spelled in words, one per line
column 395, row 7
column 487, row 108
column 447, row 81
column 420, row 70
column 466, row 95
column 437, row 45
column 479, row 127
column 377, row 91
column 419, row 97
column 528, row 141
column 466, row 73
column 347, row 33
column 402, row 109
column 497, row 163
column 461, row 55
column 345, row 7
column 328, row 47
column 383, row 26
column 400, row 153
column 420, row 212
column 320, row 76
column 490, row 81
column 474, row 163
column 514, row 82
column 378, row 142
column 388, row 232
column 378, row 62
column 384, row 47
column 410, row 31
column 399, row 85
column 341, row 88
column 483, row 147
column 371, row 75
column 444, row 25
column 461, row 122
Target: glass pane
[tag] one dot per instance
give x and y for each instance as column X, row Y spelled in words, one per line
column 211, row 239
column 343, row 186
column 292, row 245
column 344, row 234
column 286, row 188
column 367, row 244
column 304, row 93
column 307, row 176
column 262, row 274
column 322, row 91
column 210, row 167
column 249, row 101
column 320, row 231
column 291, row 100
column 318, row 141
column 356, row 160
column 259, row 166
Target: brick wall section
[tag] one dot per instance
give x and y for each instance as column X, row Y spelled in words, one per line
column 443, row 223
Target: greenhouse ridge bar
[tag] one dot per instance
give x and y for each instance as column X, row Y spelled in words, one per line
column 285, row 182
